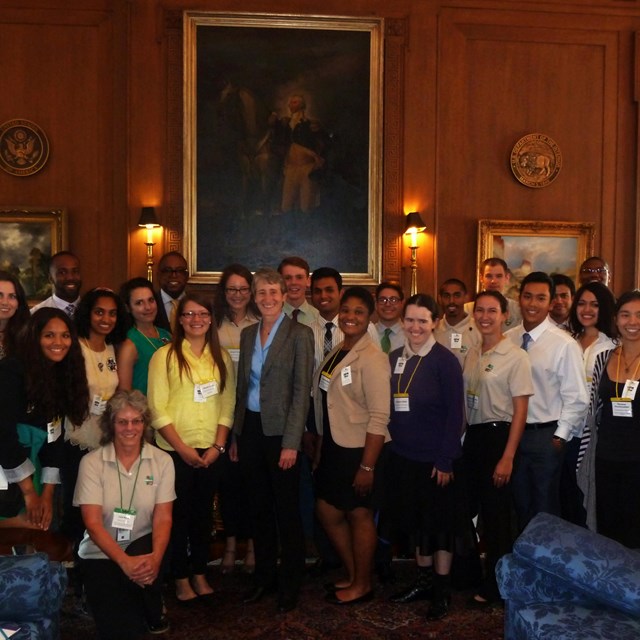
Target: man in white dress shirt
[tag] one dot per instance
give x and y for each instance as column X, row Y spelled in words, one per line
column 65, row 276
column 295, row 272
column 561, row 304
column 389, row 300
column 558, row 407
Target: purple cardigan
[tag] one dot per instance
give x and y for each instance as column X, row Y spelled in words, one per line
column 431, row 430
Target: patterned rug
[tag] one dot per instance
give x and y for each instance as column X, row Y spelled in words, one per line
column 224, row 615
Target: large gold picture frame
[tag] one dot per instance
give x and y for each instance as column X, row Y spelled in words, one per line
column 29, row 236
column 552, row 247
column 241, row 72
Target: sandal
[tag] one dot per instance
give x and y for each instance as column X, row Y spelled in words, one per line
column 228, row 561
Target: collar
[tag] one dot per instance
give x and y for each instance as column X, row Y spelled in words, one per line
column 422, row 351
column 395, row 328
column 109, row 452
column 536, row 332
column 463, row 323
column 323, row 323
column 167, row 298
column 63, row 304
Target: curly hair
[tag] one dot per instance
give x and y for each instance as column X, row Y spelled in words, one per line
column 54, row 388
column 175, row 350
column 120, row 400
column 83, row 314
column 221, row 307
column 18, row 321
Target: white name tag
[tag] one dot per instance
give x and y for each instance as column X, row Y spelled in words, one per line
column 456, row 341
column 345, row 376
column 473, row 401
column 4, row 483
column 234, row 352
column 630, row 388
column 98, row 405
column 401, row 363
column 325, row 379
column 123, row 519
column 401, row 401
column 621, row 408
column 203, row 391
column 54, row 430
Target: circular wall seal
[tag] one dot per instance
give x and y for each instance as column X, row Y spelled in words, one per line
column 24, row 148
column 536, row 160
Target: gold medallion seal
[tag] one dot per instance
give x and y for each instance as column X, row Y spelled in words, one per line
column 536, row 160
column 24, row 148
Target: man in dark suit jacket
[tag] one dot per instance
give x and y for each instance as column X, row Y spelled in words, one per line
column 274, row 380
column 173, row 275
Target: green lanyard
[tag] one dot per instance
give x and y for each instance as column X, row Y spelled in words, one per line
column 135, row 482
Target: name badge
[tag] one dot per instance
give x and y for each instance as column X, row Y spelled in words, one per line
column 4, row 483
column 473, row 400
column 622, row 408
column 630, row 388
column 123, row 519
column 325, row 379
column 234, row 352
column 401, row 363
column 123, row 535
column 401, row 401
column 98, row 405
column 203, row 391
column 345, row 376
column 54, row 430
column 456, row 341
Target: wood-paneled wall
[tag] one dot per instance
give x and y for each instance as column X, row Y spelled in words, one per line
column 475, row 76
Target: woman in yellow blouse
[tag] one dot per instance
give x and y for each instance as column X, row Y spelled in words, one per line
column 192, row 400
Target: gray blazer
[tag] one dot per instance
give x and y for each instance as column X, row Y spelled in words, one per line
column 285, row 383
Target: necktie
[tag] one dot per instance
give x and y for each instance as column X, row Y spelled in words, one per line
column 294, row 315
column 526, row 340
column 385, row 341
column 172, row 317
column 70, row 310
column 328, row 337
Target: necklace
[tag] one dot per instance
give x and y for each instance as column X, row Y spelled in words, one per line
column 627, row 365
column 156, row 337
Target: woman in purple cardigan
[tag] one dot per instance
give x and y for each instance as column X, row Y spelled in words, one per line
column 426, row 424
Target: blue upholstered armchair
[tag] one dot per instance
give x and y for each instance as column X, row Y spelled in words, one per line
column 31, row 593
column 563, row 582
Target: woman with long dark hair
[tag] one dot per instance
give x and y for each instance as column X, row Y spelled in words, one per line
column 192, row 398
column 39, row 386
column 14, row 313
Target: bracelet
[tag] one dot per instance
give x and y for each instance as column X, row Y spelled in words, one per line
column 365, row 468
column 220, row 448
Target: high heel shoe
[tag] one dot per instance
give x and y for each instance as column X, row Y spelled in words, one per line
column 228, row 561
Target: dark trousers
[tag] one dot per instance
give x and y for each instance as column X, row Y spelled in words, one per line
column 120, row 608
column 536, row 478
column 192, row 516
column 483, row 447
column 233, row 500
column 571, row 497
column 274, row 502
column 72, row 525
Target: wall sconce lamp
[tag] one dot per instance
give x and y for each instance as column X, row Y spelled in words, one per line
column 414, row 226
column 149, row 221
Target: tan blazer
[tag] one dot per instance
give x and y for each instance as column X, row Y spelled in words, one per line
column 360, row 407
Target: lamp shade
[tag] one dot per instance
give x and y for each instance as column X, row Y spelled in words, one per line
column 414, row 223
column 148, row 217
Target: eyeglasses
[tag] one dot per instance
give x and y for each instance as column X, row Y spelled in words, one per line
column 597, row 270
column 182, row 271
column 391, row 300
column 136, row 422
column 233, row 290
column 195, row 314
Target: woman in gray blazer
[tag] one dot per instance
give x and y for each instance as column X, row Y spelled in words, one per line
column 274, row 379
column 352, row 403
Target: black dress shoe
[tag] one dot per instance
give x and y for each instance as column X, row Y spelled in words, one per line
column 287, row 602
column 439, row 608
column 333, row 598
column 256, row 594
column 412, row 594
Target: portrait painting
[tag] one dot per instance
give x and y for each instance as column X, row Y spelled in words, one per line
column 283, row 132
column 29, row 236
column 552, row 247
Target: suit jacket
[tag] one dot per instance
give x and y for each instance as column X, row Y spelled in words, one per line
column 360, row 407
column 161, row 318
column 285, row 382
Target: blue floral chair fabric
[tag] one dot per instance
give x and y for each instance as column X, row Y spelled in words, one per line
column 32, row 590
column 565, row 582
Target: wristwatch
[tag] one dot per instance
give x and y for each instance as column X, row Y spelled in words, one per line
column 220, row 448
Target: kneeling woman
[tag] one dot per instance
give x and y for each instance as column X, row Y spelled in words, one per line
column 351, row 401
column 125, row 491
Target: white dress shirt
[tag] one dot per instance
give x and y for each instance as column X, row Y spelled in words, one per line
column 396, row 336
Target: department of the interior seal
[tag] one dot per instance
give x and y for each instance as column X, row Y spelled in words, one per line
column 536, row 160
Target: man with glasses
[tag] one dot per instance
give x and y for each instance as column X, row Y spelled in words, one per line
column 389, row 297
column 594, row 269
column 173, row 275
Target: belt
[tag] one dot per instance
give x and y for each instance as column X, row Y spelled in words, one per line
column 540, row 425
column 487, row 425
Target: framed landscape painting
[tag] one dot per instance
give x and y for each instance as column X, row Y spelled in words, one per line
column 29, row 236
column 283, row 137
column 526, row 246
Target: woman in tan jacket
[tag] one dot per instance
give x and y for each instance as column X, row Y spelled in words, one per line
column 352, row 404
